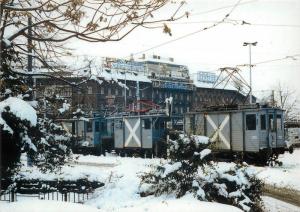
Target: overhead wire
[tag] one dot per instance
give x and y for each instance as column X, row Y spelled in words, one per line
column 239, row 22
column 293, row 57
column 221, row 8
column 192, row 33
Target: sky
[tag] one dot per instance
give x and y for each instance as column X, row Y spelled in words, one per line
column 274, row 25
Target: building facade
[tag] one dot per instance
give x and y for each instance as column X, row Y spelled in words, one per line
column 137, row 86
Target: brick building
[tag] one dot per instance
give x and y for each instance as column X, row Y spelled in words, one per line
column 147, row 83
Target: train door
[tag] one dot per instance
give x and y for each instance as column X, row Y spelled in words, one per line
column 146, row 135
column 251, row 132
column 132, row 132
column 280, row 142
column 263, row 132
column 272, row 135
column 218, row 129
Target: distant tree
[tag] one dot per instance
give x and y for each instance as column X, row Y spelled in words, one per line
column 39, row 29
column 48, row 24
column 287, row 99
column 284, row 97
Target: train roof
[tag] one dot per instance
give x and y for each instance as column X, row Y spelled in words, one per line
column 144, row 116
column 236, row 107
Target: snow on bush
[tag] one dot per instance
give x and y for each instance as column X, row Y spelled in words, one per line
column 20, row 109
column 191, row 170
column 65, row 107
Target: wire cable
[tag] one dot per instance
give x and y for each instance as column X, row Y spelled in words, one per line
column 192, row 33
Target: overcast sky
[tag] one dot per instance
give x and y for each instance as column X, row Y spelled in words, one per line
column 275, row 25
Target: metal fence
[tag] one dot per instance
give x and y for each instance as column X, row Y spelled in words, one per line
column 68, row 191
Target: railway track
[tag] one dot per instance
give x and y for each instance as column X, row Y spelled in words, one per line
column 288, row 195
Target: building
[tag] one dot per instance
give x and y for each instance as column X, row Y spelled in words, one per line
column 206, row 93
column 169, row 80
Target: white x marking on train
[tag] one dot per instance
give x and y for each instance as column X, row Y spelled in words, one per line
column 132, row 132
column 218, row 130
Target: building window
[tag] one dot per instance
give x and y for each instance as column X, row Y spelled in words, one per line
column 108, row 91
column 102, row 90
column 263, row 122
column 112, row 91
column 251, row 122
column 142, row 94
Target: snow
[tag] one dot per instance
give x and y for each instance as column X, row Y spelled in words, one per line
column 6, row 42
column 122, row 186
column 65, row 107
column 171, row 168
column 115, row 75
column 285, row 176
column 35, row 205
column 98, row 159
column 275, row 205
column 201, row 84
column 178, row 205
column 172, row 205
column 20, row 109
column 199, row 139
column 204, row 153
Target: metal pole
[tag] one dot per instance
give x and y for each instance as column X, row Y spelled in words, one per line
column 29, row 45
column 125, row 92
column 250, row 74
column 138, row 95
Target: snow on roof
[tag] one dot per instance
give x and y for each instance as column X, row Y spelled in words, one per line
column 20, row 109
column 110, row 74
column 160, row 61
column 202, row 84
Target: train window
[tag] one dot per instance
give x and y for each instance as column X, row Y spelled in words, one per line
column 147, row 124
column 119, row 124
column 263, row 122
column 251, row 122
column 278, row 122
column 89, row 127
column 97, row 126
column 102, row 126
column 271, row 122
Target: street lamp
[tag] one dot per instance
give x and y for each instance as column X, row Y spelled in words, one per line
column 250, row 66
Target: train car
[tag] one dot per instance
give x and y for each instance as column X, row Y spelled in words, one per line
column 292, row 129
column 254, row 132
column 134, row 134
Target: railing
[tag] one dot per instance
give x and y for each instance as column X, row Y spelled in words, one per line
column 68, row 191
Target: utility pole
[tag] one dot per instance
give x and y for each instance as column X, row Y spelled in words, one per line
column 250, row 66
column 125, row 94
column 29, row 45
column 138, row 96
column 273, row 98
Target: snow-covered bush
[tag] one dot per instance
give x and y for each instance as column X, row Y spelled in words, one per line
column 191, row 170
column 21, row 130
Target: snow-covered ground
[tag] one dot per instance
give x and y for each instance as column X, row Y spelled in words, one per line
column 121, row 178
column 120, row 192
column 274, row 205
column 288, row 175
